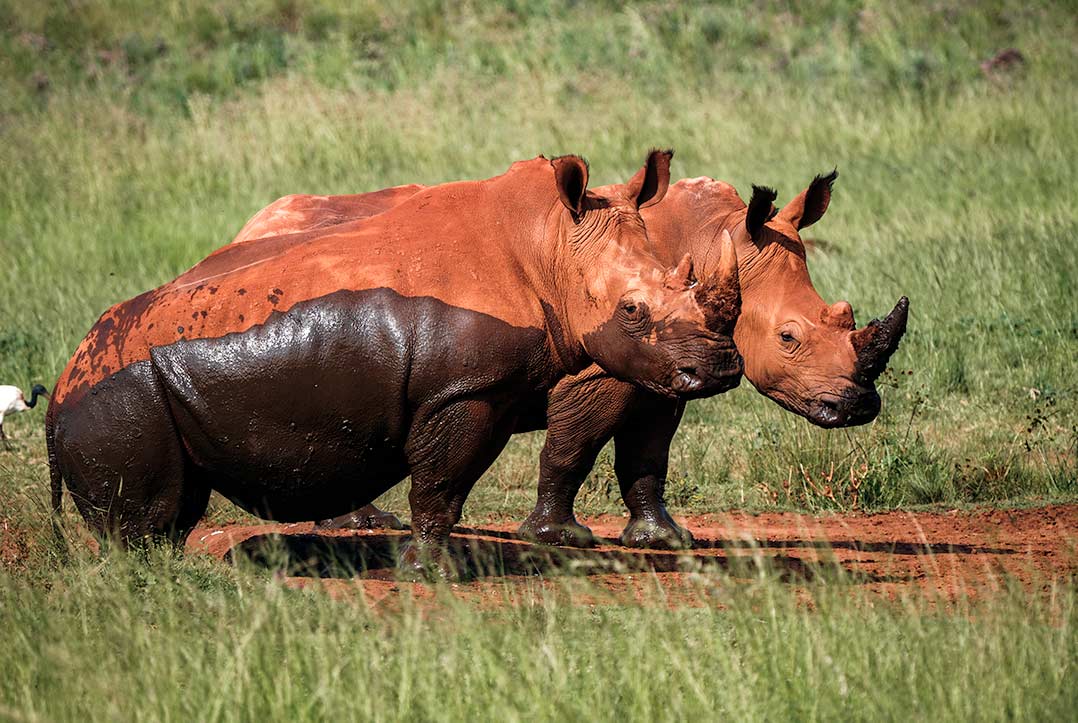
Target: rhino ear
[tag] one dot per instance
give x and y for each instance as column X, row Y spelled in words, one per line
column 761, row 209
column 571, row 178
column 810, row 206
column 649, row 184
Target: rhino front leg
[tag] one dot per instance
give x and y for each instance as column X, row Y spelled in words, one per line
column 367, row 517
column 642, row 454
column 583, row 413
column 563, row 466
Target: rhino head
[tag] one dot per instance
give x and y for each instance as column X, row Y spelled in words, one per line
column 801, row 352
column 654, row 326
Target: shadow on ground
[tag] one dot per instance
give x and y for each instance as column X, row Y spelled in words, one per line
column 485, row 553
column 891, row 548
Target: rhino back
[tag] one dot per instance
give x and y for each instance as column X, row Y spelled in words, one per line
column 299, row 212
column 448, row 242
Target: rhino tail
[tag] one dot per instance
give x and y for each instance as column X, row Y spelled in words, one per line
column 56, row 482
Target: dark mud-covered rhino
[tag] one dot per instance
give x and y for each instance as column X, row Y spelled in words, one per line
column 303, row 376
column 803, row 353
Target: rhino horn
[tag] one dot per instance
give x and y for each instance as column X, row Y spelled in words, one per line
column 721, row 295
column 878, row 340
column 681, row 277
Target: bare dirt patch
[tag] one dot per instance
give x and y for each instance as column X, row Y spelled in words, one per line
column 947, row 555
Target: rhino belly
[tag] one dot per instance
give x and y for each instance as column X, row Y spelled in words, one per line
column 308, row 415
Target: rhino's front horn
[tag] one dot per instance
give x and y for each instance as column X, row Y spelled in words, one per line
column 877, row 341
column 720, row 296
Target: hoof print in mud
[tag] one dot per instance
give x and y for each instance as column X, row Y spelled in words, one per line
column 667, row 535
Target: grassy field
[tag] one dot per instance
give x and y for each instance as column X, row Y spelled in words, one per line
column 136, row 137
column 189, row 640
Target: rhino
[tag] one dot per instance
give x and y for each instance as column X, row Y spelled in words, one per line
column 806, row 355
column 303, row 376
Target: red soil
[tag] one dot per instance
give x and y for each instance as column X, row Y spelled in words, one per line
column 950, row 555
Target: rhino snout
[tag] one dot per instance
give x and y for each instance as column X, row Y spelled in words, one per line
column 687, row 381
column 721, row 374
column 848, row 409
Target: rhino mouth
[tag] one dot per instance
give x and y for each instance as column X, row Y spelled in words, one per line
column 833, row 411
column 687, row 381
column 691, row 382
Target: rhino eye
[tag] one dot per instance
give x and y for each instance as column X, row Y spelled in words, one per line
column 787, row 337
column 634, row 316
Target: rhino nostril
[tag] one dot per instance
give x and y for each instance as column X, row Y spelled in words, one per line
column 829, row 404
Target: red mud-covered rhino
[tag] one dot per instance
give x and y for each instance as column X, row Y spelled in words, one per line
column 303, row 376
column 799, row 351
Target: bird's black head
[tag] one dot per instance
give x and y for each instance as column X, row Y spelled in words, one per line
column 36, row 391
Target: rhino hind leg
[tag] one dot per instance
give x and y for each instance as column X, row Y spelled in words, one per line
column 368, row 517
column 123, row 462
column 642, row 453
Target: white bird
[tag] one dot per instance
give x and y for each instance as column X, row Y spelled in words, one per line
column 12, row 400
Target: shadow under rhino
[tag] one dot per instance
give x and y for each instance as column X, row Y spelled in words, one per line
column 501, row 554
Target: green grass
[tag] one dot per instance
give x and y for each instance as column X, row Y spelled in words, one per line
column 136, row 137
column 188, row 639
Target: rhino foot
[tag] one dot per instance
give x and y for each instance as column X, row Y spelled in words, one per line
column 563, row 534
column 368, row 517
column 421, row 563
column 661, row 534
